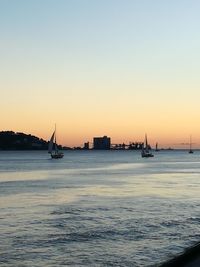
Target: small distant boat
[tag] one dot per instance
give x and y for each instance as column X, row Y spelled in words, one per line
column 190, row 150
column 157, row 149
column 53, row 148
column 145, row 150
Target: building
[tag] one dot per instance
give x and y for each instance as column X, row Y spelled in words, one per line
column 86, row 146
column 102, row 143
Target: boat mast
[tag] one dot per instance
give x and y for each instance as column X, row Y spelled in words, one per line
column 146, row 141
column 190, row 150
column 55, row 141
column 146, row 144
column 55, row 134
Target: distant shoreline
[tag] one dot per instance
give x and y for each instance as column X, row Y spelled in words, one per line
column 17, row 141
column 81, row 149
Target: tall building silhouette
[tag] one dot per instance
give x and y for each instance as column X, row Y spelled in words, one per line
column 101, row 143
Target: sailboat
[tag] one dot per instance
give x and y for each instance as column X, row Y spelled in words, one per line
column 157, row 149
column 145, row 150
column 190, row 150
column 53, row 148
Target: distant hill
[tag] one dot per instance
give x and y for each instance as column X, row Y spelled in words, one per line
column 10, row 140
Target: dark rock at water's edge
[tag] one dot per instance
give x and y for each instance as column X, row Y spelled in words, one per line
column 10, row 140
column 189, row 258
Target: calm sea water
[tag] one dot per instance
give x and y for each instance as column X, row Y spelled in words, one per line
column 110, row 208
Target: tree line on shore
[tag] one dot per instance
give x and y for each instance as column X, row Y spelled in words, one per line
column 10, row 140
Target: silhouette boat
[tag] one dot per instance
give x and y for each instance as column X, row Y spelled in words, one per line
column 157, row 149
column 53, row 148
column 190, row 150
column 145, row 150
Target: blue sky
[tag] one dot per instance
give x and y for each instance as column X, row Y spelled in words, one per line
column 148, row 37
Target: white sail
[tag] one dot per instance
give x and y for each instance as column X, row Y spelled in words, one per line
column 145, row 149
column 51, row 143
column 53, row 148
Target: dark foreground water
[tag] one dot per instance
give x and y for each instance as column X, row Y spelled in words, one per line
column 90, row 208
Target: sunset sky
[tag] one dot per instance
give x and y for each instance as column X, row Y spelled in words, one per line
column 120, row 68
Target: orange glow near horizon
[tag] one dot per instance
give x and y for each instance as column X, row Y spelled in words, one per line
column 167, row 131
column 80, row 118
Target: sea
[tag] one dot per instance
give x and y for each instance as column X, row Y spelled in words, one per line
column 97, row 208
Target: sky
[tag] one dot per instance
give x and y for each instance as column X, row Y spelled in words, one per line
column 120, row 68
